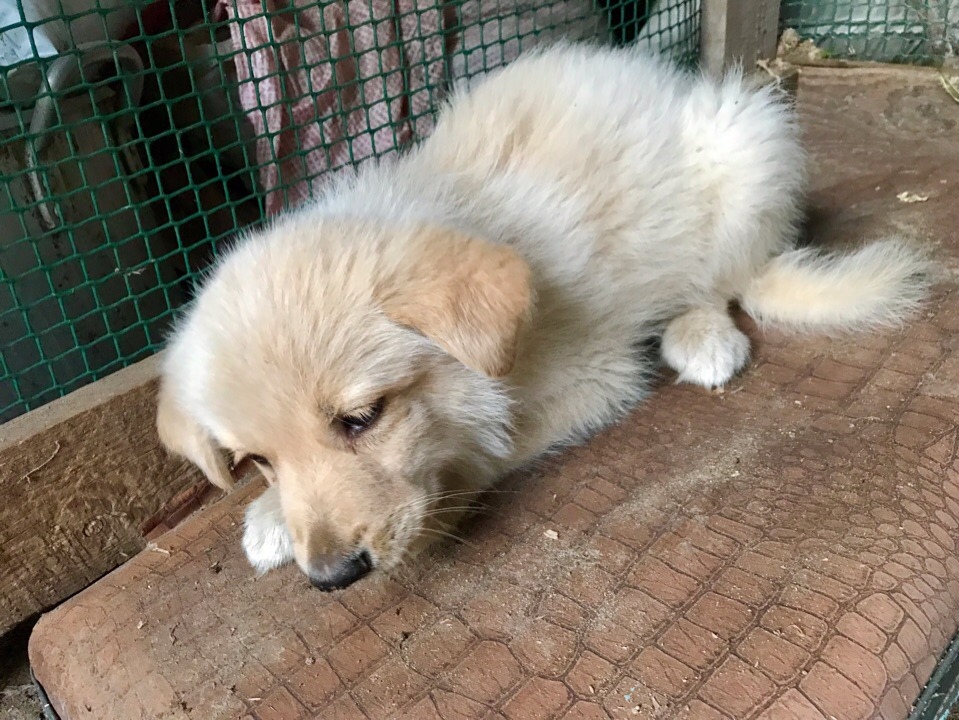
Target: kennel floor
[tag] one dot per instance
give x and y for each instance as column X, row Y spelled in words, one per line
column 784, row 549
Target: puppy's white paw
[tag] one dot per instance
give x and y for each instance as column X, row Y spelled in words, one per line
column 266, row 541
column 705, row 347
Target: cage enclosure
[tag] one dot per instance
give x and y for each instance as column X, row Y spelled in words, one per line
column 139, row 138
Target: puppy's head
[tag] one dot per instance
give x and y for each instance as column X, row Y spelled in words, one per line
column 360, row 366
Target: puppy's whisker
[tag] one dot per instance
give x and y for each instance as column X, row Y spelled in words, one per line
column 495, row 491
column 433, row 505
column 475, row 493
column 448, row 535
column 447, row 510
column 449, row 496
column 446, row 525
column 469, row 509
column 434, row 498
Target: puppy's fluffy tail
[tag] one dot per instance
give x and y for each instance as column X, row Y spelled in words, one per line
column 879, row 284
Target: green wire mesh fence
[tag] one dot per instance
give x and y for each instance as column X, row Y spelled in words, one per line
column 914, row 31
column 136, row 136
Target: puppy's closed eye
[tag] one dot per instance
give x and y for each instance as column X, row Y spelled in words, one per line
column 241, row 462
column 356, row 422
column 259, row 460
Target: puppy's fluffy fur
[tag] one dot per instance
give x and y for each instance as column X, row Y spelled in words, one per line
column 492, row 287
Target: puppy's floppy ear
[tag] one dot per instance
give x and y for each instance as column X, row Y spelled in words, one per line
column 183, row 436
column 469, row 296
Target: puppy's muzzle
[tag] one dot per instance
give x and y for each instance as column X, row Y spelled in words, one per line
column 333, row 572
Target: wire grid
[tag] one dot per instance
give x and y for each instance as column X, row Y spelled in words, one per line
column 909, row 31
column 127, row 155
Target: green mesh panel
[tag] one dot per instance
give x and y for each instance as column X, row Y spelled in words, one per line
column 127, row 157
column 914, row 31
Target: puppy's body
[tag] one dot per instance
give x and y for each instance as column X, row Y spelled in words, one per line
column 634, row 193
column 494, row 285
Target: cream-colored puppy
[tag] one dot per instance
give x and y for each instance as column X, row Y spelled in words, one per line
column 439, row 320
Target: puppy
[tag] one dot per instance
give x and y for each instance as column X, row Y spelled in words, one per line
column 434, row 322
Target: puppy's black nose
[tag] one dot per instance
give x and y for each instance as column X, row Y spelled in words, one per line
column 332, row 572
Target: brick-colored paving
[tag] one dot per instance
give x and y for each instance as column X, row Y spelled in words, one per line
column 786, row 549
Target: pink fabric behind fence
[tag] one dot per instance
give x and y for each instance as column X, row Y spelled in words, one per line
column 326, row 85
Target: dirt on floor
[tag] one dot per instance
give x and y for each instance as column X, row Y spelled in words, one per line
column 18, row 696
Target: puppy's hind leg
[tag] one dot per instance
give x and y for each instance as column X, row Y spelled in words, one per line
column 266, row 541
column 704, row 346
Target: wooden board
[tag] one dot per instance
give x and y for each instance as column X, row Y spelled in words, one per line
column 736, row 31
column 83, row 480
